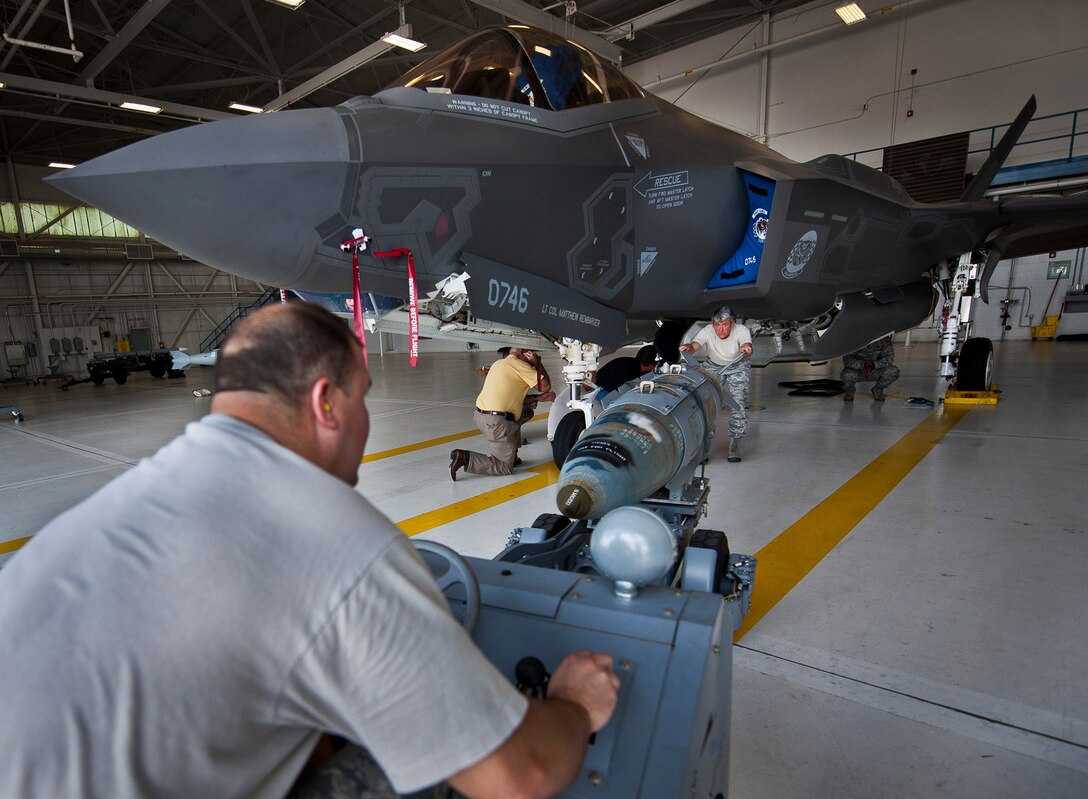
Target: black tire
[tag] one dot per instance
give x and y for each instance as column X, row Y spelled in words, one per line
column 975, row 368
column 566, row 436
column 554, row 523
column 98, row 378
column 157, row 370
column 120, row 376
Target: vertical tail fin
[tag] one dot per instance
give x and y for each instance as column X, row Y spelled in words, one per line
column 997, row 157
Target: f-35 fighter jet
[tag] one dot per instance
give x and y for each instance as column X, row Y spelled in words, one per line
column 578, row 206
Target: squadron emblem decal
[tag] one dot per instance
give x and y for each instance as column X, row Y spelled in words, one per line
column 759, row 224
column 800, row 255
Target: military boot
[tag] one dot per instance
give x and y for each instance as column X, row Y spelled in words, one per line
column 734, row 451
column 878, row 394
column 848, row 396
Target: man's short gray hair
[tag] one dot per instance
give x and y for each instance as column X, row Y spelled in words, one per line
column 723, row 314
column 282, row 349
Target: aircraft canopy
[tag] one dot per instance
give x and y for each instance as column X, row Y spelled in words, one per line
column 523, row 65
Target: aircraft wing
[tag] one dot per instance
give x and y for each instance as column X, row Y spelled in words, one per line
column 1049, row 224
column 387, row 315
column 1031, row 225
column 478, row 331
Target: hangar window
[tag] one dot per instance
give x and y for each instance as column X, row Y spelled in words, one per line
column 523, row 65
column 52, row 219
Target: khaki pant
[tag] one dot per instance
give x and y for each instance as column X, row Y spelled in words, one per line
column 503, row 436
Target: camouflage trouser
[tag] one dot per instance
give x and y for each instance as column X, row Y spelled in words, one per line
column 882, row 377
column 352, row 774
column 737, row 377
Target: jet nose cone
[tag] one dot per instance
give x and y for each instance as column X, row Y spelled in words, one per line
column 244, row 195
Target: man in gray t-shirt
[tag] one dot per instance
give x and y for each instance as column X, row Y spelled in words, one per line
column 194, row 628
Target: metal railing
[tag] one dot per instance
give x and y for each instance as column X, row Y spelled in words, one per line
column 1060, row 128
column 215, row 338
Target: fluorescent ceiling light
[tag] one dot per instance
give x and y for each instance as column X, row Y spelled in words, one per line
column 150, row 109
column 403, row 41
column 61, row 165
column 850, row 13
column 253, row 109
column 291, row 4
column 2, row 84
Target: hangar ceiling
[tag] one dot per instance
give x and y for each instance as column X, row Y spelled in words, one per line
column 195, row 57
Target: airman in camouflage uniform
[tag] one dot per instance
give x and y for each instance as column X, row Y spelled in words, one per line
column 875, row 362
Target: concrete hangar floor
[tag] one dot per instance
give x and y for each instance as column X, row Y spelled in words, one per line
column 918, row 618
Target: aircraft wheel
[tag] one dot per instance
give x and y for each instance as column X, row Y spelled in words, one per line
column 976, row 365
column 120, row 376
column 566, row 436
column 450, row 570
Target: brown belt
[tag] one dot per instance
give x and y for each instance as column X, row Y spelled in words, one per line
column 505, row 414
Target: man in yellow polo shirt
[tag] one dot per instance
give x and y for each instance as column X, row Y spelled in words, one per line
column 498, row 412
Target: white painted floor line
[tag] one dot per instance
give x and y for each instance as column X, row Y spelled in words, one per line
column 1031, row 731
column 71, row 446
column 63, row 476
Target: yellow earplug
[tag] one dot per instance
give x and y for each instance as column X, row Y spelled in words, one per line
column 327, row 407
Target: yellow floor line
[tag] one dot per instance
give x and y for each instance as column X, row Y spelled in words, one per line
column 546, row 474
column 433, row 442
column 417, row 524
column 785, row 561
column 11, row 546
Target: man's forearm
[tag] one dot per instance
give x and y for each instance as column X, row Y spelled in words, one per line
column 541, row 758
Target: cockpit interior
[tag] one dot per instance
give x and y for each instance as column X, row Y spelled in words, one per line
column 523, row 65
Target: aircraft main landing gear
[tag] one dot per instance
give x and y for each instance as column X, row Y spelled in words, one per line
column 970, row 365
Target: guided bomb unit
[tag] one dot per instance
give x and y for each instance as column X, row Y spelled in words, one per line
column 624, row 566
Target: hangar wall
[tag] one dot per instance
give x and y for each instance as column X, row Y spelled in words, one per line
column 107, row 292
column 806, row 84
column 110, row 304
column 833, row 88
